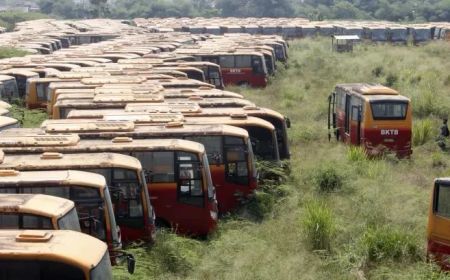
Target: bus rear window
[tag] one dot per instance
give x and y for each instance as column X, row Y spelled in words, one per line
column 389, row 110
column 442, row 200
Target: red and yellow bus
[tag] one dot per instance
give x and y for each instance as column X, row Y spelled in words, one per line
column 177, row 172
column 373, row 116
column 228, row 149
column 438, row 235
column 53, row 254
column 133, row 211
column 238, row 67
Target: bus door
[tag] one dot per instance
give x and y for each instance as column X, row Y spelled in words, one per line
column 347, row 117
column 355, row 128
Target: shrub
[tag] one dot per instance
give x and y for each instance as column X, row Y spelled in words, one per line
column 6, row 52
column 391, row 79
column 261, row 205
column 423, row 131
column 356, row 154
column 327, row 178
column 438, row 161
column 378, row 71
column 318, row 225
column 174, row 253
column 387, row 244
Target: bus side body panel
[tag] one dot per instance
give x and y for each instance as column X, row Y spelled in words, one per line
column 183, row 218
column 242, row 76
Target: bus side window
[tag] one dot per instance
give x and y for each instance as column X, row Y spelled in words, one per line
column 243, row 61
column 35, row 222
column 227, row 61
column 442, row 201
column 9, row 221
column 158, row 166
column 213, row 147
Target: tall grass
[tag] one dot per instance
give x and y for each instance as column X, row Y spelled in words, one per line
column 6, row 52
column 423, row 131
column 318, row 225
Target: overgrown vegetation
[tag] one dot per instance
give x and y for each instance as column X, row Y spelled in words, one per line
column 337, row 214
column 8, row 19
column 6, row 52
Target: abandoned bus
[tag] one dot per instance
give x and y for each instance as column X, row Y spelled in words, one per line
column 52, row 254
column 228, row 149
column 177, row 173
column 238, row 67
column 37, row 211
column 22, row 77
column 36, row 88
column 438, row 235
column 8, row 88
column 132, row 208
column 371, row 115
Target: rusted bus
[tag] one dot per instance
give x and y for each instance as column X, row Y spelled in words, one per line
column 21, row 76
column 89, row 192
column 373, row 116
column 36, row 88
column 177, row 173
column 53, row 254
column 9, row 91
column 228, row 149
column 37, row 211
column 133, row 211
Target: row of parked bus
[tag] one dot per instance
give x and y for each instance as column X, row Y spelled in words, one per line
column 381, row 31
column 137, row 138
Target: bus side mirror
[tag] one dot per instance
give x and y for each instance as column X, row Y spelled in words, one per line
column 131, row 263
column 288, row 122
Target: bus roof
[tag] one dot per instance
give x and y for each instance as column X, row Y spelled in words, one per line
column 6, row 78
column 19, row 71
column 5, row 121
column 54, row 161
column 60, row 177
column 129, row 128
column 371, row 91
column 246, row 110
column 66, row 246
column 236, row 120
column 38, row 204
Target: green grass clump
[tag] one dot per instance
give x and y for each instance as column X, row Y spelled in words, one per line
column 356, row 154
column 423, row 131
column 387, row 244
column 6, row 52
column 28, row 118
column 318, row 225
column 328, row 178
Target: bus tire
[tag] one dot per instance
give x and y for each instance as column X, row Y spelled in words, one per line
column 243, row 84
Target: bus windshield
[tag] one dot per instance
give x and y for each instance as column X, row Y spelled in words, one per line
column 442, row 200
column 38, row 270
column 69, row 221
column 25, row 221
column 389, row 110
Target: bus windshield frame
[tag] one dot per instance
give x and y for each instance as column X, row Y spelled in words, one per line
column 389, row 115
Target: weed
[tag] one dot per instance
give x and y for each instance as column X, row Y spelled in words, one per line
column 356, row 154
column 378, row 71
column 327, row 178
column 437, row 161
column 319, row 225
column 261, row 205
column 391, row 79
column 423, row 131
column 385, row 243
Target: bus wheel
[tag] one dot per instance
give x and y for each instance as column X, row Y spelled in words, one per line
column 161, row 224
column 243, row 84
